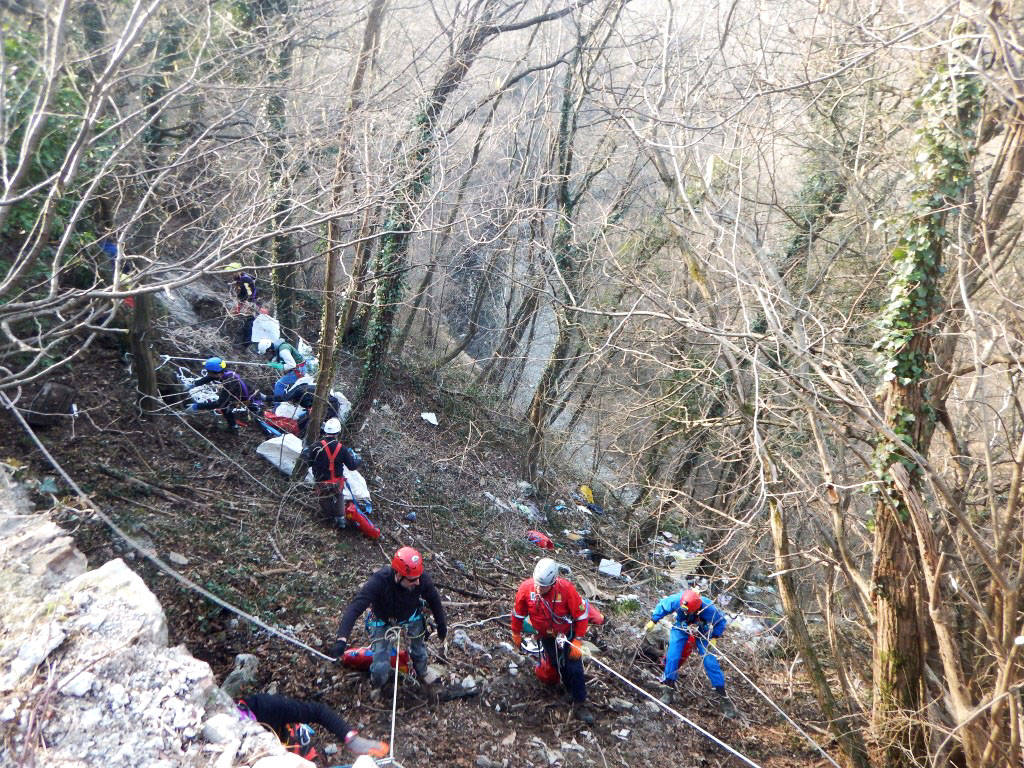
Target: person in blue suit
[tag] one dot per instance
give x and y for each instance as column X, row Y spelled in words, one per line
column 697, row 623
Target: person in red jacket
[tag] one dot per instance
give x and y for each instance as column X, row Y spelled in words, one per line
column 559, row 615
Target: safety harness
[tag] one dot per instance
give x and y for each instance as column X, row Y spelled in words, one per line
column 334, row 478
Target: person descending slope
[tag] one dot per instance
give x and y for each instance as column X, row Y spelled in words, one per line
column 284, row 357
column 559, row 615
column 325, row 459
column 288, row 718
column 697, row 623
column 244, row 286
column 234, row 392
column 395, row 594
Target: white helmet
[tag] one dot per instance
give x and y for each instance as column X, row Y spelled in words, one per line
column 264, row 346
column 545, row 572
column 332, row 427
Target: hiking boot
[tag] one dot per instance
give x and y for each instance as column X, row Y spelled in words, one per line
column 668, row 695
column 582, row 714
column 728, row 710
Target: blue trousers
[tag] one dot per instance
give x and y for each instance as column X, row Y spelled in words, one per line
column 285, row 383
column 571, row 671
column 380, row 667
column 676, row 641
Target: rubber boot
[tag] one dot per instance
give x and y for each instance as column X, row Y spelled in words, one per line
column 581, row 713
column 728, row 710
column 668, row 696
column 362, row 522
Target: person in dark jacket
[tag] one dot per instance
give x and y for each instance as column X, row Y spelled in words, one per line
column 326, row 459
column 303, row 393
column 234, row 392
column 245, row 288
column 395, row 595
column 288, row 718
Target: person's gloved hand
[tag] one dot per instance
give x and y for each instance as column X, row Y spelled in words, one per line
column 649, row 626
column 276, row 366
column 236, row 309
column 714, row 642
column 338, row 647
column 692, row 629
column 575, row 649
column 517, row 640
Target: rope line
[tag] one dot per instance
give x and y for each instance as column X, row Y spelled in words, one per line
column 777, row 708
column 156, row 561
column 395, row 635
column 707, row 734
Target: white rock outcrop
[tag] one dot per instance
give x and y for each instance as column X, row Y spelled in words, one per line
column 86, row 677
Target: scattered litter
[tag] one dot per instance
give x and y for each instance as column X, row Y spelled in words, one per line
column 430, row 418
column 461, row 640
column 587, row 494
column 611, row 568
column 177, row 559
column 513, row 668
column 48, row 485
column 411, row 517
column 469, row 682
column 538, row 538
column 622, row 734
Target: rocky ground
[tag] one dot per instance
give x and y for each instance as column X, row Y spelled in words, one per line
column 201, row 499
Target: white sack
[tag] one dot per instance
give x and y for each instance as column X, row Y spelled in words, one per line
column 265, row 327
column 283, row 452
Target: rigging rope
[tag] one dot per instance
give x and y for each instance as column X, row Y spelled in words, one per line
column 667, row 708
column 776, row 707
column 156, row 561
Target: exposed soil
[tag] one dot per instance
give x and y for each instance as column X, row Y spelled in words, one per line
column 256, row 540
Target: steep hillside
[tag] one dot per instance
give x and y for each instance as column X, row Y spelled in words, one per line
column 201, row 499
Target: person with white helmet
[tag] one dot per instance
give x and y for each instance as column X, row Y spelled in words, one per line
column 284, row 357
column 559, row 614
column 303, row 393
column 325, row 459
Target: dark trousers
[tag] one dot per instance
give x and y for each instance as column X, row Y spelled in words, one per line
column 571, row 671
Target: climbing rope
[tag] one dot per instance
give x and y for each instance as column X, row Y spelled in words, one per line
column 156, row 561
column 766, row 697
column 394, row 634
column 707, row 734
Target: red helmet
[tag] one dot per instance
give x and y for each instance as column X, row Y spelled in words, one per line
column 690, row 600
column 408, row 563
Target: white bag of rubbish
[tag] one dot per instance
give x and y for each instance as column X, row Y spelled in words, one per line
column 265, row 327
column 344, row 406
column 204, row 394
column 283, row 452
column 356, row 485
column 289, row 410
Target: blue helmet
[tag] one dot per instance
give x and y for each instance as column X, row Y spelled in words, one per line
column 215, row 365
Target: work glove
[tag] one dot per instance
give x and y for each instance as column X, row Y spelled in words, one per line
column 575, row 649
column 338, row 647
column 276, row 366
column 649, row 626
column 714, row 642
column 358, row 745
column 236, row 309
column 517, row 640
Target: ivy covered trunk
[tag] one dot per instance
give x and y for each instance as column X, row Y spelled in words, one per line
column 949, row 110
